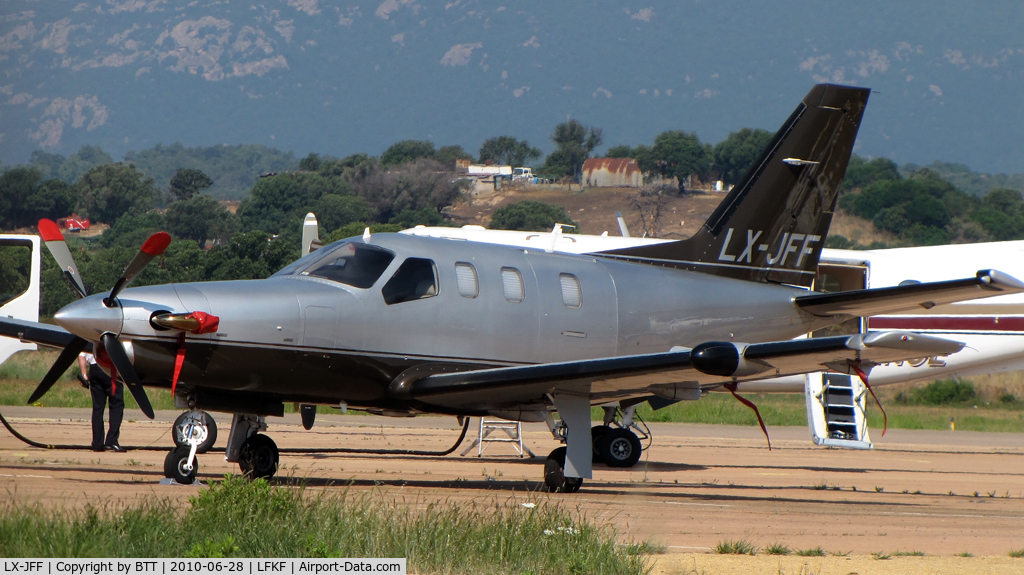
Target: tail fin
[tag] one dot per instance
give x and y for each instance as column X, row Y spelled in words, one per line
column 772, row 225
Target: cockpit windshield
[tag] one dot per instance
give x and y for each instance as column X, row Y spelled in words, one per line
column 356, row 264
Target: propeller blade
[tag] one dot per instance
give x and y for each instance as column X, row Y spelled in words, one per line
column 154, row 246
column 54, row 240
column 123, row 365
column 64, row 361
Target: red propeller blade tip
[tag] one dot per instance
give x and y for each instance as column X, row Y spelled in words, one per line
column 49, row 231
column 157, row 243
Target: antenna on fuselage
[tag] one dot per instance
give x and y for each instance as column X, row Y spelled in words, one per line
column 366, row 234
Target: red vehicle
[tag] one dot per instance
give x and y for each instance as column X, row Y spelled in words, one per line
column 73, row 223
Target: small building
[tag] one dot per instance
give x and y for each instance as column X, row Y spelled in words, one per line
column 612, row 172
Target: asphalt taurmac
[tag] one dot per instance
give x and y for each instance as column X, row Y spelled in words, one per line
column 937, row 492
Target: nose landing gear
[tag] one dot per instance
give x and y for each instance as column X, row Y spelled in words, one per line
column 194, row 432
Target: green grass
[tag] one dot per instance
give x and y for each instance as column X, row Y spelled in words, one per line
column 815, row 552
column 908, row 554
column 738, row 547
column 1016, row 553
column 253, row 519
column 789, row 410
column 777, row 549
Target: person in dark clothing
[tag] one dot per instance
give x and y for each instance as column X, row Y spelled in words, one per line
column 102, row 389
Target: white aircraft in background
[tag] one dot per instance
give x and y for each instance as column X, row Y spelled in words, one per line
column 23, row 304
column 990, row 328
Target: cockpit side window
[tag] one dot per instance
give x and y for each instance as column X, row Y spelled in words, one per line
column 415, row 279
column 354, row 264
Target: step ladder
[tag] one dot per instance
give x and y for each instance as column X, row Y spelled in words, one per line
column 835, row 410
column 512, row 434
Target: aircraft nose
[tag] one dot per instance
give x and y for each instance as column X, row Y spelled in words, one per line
column 88, row 318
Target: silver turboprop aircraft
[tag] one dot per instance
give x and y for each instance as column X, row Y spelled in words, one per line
column 401, row 325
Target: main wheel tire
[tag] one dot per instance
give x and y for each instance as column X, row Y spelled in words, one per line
column 174, row 466
column 211, row 432
column 259, row 457
column 554, row 474
column 619, row 448
column 596, row 433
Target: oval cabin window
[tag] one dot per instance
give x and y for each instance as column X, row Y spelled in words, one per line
column 465, row 276
column 571, row 295
column 512, row 284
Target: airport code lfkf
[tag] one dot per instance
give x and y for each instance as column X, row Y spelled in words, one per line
column 202, row 566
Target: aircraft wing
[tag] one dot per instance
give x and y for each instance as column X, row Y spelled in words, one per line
column 41, row 333
column 909, row 298
column 672, row 375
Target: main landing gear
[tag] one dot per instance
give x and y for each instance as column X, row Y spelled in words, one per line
column 256, row 454
column 613, row 443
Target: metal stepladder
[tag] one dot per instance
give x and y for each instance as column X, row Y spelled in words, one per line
column 513, row 434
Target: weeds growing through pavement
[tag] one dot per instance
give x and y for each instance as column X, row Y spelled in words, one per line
column 738, row 547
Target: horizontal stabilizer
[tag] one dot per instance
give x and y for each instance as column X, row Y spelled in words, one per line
column 909, row 298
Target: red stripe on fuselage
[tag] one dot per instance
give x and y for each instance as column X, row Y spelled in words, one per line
column 949, row 323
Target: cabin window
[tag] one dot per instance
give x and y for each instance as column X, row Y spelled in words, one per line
column 512, row 284
column 571, row 295
column 465, row 276
column 356, row 264
column 415, row 279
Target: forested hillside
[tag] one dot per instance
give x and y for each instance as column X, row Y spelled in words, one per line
column 176, row 189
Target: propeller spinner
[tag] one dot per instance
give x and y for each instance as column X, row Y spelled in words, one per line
column 103, row 321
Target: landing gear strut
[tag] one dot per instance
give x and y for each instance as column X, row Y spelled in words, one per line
column 194, row 432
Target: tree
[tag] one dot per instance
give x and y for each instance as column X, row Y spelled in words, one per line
column 738, row 151
column 507, row 150
column 49, row 164
column 87, row 158
column 310, row 163
column 529, row 215
column 448, row 154
column 411, row 186
column 407, row 151
column 112, row 190
column 17, row 185
column 280, row 201
column 188, row 182
column 413, row 218
column 678, row 154
column 861, row 173
column 200, row 218
column 573, row 142
column 334, row 211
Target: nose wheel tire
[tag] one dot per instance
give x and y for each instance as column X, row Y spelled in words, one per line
column 174, row 466
column 554, row 474
column 258, row 457
column 180, row 428
column 619, row 447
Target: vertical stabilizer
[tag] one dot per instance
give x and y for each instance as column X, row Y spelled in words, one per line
column 772, row 225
